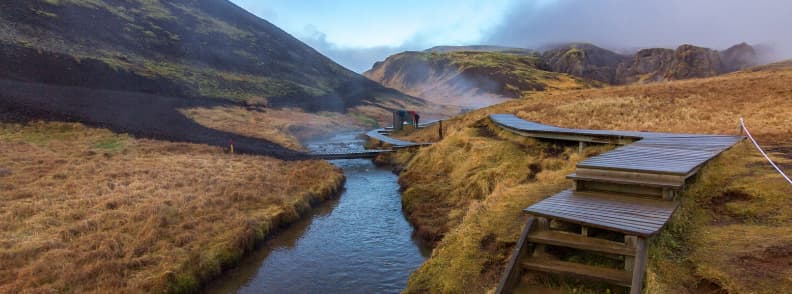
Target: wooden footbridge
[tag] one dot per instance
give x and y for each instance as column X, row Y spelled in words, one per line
column 631, row 191
column 378, row 135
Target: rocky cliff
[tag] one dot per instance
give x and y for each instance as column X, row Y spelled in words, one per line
column 448, row 74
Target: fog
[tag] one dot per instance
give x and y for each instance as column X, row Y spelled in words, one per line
column 621, row 24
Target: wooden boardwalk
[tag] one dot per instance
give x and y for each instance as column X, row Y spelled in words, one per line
column 631, row 191
column 342, row 154
column 379, row 135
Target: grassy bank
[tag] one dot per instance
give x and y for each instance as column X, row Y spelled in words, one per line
column 288, row 126
column 88, row 210
column 468, row 190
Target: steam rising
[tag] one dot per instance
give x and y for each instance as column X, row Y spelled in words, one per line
column 627, row 25
column 620, row 25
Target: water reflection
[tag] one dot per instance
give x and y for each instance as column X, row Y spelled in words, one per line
column 359, row 243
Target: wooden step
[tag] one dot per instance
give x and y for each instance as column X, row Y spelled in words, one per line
column 554, row 266
column 580, row 242
column 658, row 183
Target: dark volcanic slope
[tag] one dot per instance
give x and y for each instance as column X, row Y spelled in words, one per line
column 192, row 48
column 145, row 115
column 129, row 65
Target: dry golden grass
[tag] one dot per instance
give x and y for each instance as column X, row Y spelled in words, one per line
column 87, row 210
column 711, row 105
column 730, row 234
column 470, row 190
column 285, row 127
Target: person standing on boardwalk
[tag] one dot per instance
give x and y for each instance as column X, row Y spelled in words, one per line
column 417, row 117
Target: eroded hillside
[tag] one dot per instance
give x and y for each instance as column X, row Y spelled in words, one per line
column 470, row 78
column 464, row 74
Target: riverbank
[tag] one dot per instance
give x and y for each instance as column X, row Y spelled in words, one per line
column 359, row 243
column 116, row 213
column 469, row 189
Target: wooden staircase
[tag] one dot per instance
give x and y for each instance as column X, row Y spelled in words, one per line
column 588, row 206
column 630, row 193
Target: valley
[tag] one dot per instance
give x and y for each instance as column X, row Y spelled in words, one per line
column 171, row 147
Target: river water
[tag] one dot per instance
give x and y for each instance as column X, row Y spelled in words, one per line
column 358, row 243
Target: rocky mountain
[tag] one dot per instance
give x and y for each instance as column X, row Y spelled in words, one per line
column 186, row 48
column 478, row 48
column 445, row 74
column 583, row 60
column 739, row 57
column 469, row 78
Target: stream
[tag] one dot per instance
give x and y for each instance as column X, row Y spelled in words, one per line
column 357, row 243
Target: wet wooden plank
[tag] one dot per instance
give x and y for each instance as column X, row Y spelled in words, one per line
column 626, row 214
column 628, row 181
column 379, row 136
column 614, row 276
column 580, row 242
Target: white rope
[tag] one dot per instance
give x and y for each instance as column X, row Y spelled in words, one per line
column 742, row 124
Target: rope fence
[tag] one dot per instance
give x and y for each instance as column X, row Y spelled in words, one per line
column 744, row 128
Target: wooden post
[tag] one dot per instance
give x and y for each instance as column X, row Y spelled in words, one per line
column 581, row 145
column 440, row 129
column 513, row 269
column 542, row 224
column 740, row 127
column 231, row 146
column 668, row 194
column 584, row 231
column 640, row 267
column 629, row 261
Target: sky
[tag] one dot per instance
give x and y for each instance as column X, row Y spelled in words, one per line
column 357, row 33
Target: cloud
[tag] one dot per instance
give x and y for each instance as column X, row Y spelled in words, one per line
column 356, row 59
column 623, row 24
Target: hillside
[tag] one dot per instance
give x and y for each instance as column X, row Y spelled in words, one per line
column 138, row 66
column 477, row 48
column 728, row 236
column 583, row 60
column 469, row 78
column 194, row 48
column 447, row 74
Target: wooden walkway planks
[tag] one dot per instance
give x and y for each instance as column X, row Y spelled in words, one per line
column 380, row 135
column 627, row 180
column 630, row 190
column 618, row 277
column 632, row 215
column 649, row 152
column 580, row 242
column 377, row 134
column 349, row 154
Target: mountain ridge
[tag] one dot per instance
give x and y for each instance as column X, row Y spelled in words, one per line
column 203, row 48
column 588, row 64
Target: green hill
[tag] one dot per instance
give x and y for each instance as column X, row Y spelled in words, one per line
column 193, row 48
column 470, row 77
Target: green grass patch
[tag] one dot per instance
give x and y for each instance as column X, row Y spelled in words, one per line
column 110, row 144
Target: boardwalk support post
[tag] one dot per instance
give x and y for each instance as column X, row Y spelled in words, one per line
column 542, row 224
column 629, row 261
column 512, row 273
column 581, row 145
column 640, row 266
column 440, row 129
